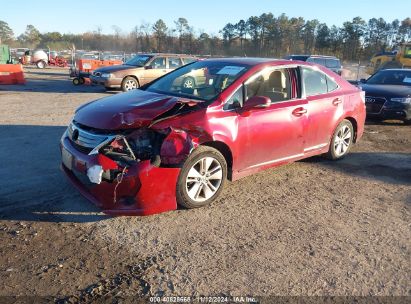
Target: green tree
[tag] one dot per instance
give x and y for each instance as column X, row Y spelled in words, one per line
column 241, row 29
column 160, row 30
column 31, row 36
column 323, row 41
column 353, row 31
column 253, row 28
column 229, row 34
column 309, row 35
column 181, row 27
column 6, row 33
column 204, row 43
column 405, row 30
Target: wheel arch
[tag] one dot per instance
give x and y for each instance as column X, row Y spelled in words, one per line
column 132, row 76
column 354, row 125
column 225, row 150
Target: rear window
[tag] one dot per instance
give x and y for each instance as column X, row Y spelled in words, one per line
column 296, row 57
column 320, row 61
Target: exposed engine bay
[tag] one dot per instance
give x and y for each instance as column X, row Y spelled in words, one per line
column 142, row 144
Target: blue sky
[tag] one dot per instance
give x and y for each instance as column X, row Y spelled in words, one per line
column 208, row 15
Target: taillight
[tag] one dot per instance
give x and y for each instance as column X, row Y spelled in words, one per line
column 362, row 95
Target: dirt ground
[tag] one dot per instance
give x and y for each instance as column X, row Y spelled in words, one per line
column 314, row 227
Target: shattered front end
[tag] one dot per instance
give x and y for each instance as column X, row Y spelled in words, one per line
column 132, row 172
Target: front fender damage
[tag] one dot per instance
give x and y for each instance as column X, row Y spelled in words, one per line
column 177, row 146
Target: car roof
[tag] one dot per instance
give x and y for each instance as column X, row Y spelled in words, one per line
column 166, row 54
column 396, row 70
column 247, row 60
column 313, row 56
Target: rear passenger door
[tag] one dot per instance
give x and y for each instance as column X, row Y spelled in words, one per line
column 325, row 107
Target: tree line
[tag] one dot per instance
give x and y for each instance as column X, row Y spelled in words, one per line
column 264, row 35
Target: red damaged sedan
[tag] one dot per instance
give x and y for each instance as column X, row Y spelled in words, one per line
column 177, row 139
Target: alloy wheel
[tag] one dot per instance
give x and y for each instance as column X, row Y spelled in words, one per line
column 342, row 140
column 130, row 85
column 204, row 179
column 188, row 83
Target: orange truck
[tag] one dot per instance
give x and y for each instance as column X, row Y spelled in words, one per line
column 85, row 67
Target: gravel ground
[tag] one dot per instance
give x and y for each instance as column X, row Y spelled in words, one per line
column 313, row 227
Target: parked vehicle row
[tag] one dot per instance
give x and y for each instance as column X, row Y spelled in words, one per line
column 175, row 141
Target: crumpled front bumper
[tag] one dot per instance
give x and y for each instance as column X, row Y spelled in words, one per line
column 144, row 190
column 107, row 82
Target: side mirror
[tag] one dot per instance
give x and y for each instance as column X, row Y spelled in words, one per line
column 363, row 80
column 256, row 102
column 148, row 67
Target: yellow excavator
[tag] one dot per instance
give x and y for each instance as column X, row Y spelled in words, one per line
column 391, row 60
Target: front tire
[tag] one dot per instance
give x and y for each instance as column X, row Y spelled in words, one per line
column 129, row 83
column 341, row 140
column 202, row 178
column 41, row 64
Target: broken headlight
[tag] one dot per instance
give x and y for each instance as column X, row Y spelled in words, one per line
column 142, row 144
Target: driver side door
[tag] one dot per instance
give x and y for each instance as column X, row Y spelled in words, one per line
column 156, row 68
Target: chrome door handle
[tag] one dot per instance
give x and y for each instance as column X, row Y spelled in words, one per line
column 337, row 101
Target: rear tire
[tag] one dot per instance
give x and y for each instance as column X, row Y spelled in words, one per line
column 201, row 178
column 41, row 64
column 189, row 83
column 341, row 140
column 407, row 122
column 129, row 83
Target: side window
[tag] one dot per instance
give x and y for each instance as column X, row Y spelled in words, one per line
column 174, row 62
column 236, row 100
column 315, row 82
column 188, row 60
column 159, row 63
column 274, row 84
column 331, row 84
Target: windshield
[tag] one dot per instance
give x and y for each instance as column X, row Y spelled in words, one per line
column 397, row 77
column 202, row 80
column 139, row 60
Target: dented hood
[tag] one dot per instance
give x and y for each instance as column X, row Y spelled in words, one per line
column 133, row 109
